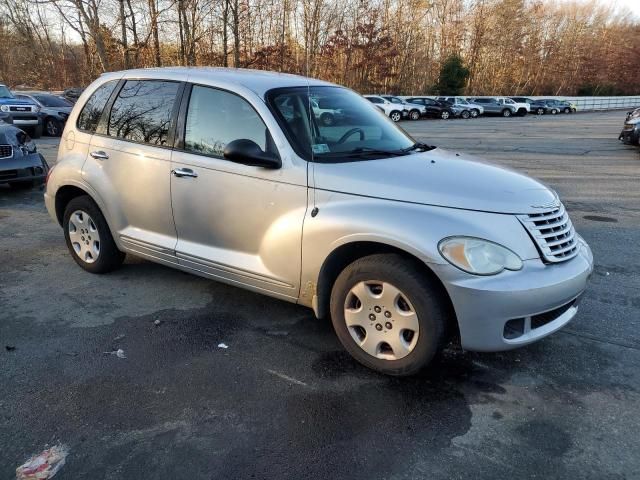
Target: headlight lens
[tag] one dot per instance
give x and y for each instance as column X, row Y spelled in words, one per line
column 477, row 256
column 4, row 108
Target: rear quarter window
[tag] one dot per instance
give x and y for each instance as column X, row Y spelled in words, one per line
column 92, row 110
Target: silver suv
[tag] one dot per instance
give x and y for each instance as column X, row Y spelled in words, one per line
column 229, row 175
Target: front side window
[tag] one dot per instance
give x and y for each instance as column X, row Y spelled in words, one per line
column 216, row 117
column 92, row 110
column 142, row 112
column 356, row 130
column 374, row 99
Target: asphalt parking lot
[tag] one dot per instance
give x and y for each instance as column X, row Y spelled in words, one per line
column 283, row 400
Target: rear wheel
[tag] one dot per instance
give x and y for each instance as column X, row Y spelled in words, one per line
column 388, row 314
column 414, row 115
column 445, row 115
column 465, row 114
column 540, row 111
column 506, row 113
column 88, row 237
column 567, row 110
column 474, row 113
column 395, row 116
column 554, row 111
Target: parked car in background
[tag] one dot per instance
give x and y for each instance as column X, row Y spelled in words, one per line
column 522, row 108
column 468, row 109
column 328, row 116
column 404, row 245
column 434, row 108
column 391, row 110
column 54, row 110
column 492, row 106
column 535, row 106
column 560, row 106
column 72, row 94
column 20, row 164
column 21, row 113
column 631, row 129
column 413, row 110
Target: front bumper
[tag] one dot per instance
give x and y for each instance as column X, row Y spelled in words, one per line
column 538, row 300
column 631, row 137
column 31, row 167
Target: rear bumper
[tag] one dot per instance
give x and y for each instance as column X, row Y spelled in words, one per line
column 513, row 309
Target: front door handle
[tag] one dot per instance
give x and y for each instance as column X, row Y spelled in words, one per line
column 184, row 172
column 99, row 154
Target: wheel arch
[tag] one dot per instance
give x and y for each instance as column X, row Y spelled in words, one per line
column 64, row 195
column 347, row 253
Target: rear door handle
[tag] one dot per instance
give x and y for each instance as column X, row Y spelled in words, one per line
column 100, row 155
column 184, row 172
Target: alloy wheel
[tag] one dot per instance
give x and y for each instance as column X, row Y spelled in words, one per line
column 84, row 236
column 52, row 128
column 381, row 320
column 445, row 115
column 395, row 116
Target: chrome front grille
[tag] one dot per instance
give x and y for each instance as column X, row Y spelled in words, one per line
column 6, row 151
column 553, row 233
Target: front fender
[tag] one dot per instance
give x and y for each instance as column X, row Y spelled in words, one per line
column 413, row 228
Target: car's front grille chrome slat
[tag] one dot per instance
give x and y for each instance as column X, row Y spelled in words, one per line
column 6, row 151
column 553, row 233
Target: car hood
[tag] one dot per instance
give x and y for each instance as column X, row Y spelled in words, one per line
column 438, row 177
column 14, row 101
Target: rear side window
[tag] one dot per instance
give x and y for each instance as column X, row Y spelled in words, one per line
column 92, row 110
column 216, row 117
column 143, row 111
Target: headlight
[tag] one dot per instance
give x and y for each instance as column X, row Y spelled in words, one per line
column 36, row 108
column 477, row 256
column 4, row 108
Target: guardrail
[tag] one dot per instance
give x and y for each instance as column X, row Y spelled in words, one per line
column 602, row 103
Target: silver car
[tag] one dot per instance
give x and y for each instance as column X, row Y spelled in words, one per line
column 228, row 174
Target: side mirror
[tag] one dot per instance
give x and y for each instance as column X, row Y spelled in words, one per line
column 249, row 152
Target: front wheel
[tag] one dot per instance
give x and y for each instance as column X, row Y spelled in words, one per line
column 445, row 115
column 88, row 237
column 567, row 110
column 554, row 111
column 388, row 314
column 53, row 127
column 540, row 111
column 465, row 114
column 414, row 115
column 474, row 113
column 506, row 113
column 395, row 116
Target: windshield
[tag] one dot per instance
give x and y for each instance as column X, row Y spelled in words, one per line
column 4, row 92
column 52, row 101
column 343, row 126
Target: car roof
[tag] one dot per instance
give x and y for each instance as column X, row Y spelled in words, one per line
column 259, row 81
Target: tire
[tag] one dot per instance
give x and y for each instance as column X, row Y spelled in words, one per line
column 465, row 114
column 327, row 119
column 419, row 305
column 506, row 113
column 89, row 223
column 475, row 113
column 567, row 110
column 414, row 114
column 36, row 132
column 522, row 112
column 444, row 115
column 540, row 111
column 52, row 127
column 396, row 116
column 22, row 185
column 554, row 111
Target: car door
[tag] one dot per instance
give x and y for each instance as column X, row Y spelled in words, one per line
column 234, row 222
column 129, row 166
column 432, row 107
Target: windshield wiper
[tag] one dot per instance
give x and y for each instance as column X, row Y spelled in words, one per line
column 418, row 146
column 374, row 151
